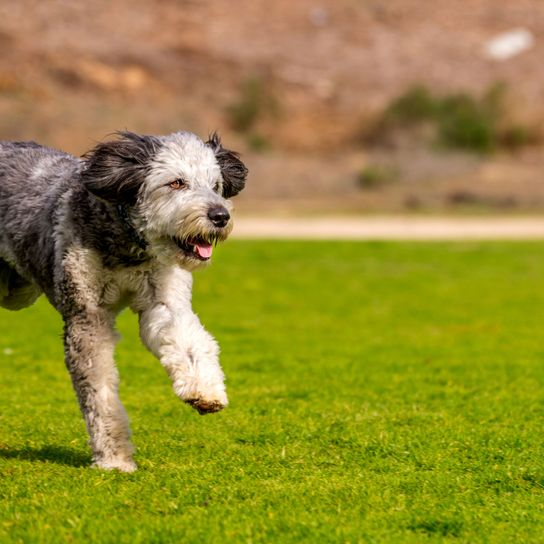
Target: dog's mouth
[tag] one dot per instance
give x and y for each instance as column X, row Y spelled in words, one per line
column 196, row 248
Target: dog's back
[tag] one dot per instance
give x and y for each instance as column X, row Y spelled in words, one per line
column 32, row 178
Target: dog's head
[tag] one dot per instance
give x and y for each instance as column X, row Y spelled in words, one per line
column 175, row 190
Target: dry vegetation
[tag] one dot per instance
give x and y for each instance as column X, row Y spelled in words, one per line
column 306, row 89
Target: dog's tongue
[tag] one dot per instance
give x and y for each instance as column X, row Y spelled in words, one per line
column 204, row 250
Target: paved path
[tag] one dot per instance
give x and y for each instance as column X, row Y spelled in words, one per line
column 391, row 228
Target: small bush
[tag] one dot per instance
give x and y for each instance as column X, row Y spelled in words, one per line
column 517, row 136
column 458, row 120
column 258, row 142
column 377, row 175
column 412, row 107
column 256, row 101
column 466, row 123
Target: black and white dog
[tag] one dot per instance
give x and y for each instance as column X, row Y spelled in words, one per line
column 123, row 226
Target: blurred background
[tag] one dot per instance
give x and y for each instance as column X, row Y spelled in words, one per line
column 338, row 106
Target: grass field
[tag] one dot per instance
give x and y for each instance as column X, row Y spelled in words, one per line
column 380, row 392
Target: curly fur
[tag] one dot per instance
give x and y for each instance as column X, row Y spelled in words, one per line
column 122, row 226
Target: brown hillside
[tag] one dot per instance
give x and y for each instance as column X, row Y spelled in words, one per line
column 72, row 72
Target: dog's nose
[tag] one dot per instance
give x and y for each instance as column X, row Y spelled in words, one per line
column 219, row 216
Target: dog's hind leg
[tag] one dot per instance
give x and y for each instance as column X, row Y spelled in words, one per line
column 89, row 344
column 174, row 334
column 15, row 291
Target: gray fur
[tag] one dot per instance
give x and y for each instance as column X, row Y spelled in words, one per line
column 107, row 230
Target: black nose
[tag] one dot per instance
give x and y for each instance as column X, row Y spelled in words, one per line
column 219, row 216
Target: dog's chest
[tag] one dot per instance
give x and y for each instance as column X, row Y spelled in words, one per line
column 123, row 286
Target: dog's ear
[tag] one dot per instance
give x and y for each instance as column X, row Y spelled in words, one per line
column 233, row 170
column 115, row 170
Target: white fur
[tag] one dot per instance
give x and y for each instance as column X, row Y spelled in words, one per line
column 180, row 213
column 171, row 331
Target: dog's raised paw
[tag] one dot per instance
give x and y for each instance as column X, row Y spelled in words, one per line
column 203, row 406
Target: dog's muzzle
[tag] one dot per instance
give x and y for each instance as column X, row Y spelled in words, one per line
column 200, row 247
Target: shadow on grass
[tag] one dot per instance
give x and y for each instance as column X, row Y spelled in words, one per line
column 47, row 454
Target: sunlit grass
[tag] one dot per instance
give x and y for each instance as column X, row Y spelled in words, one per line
column 379, row 393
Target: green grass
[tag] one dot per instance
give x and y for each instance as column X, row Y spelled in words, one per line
column 379, row 392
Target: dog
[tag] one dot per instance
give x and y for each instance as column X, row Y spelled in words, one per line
column 124, row 225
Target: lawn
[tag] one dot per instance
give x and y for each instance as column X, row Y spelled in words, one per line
column 380, row 392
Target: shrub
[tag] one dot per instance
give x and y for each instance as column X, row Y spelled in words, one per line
column 459, row 120
column 416, row 105
column 255, row 101
column 466, row 123
column 377, row 175
column 258, row 142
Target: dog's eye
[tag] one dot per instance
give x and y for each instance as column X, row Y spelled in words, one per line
column 177, row 184
column 216, row 187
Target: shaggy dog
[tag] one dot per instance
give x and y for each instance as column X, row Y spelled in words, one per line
column 125, row 225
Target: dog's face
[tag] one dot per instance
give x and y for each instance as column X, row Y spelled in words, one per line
column 175, row 189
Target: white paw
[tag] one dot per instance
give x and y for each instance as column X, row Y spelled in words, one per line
column 123, row 465
column 205, row 400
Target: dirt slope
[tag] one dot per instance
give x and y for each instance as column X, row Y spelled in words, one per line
column 71, row 72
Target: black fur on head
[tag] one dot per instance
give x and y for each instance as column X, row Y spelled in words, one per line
column 115, row 170
column 233, row 169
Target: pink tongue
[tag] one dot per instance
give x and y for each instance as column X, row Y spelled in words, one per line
column 205, row 251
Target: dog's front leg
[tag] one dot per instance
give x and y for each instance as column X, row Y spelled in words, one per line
column 190, row 355
column 89, row 339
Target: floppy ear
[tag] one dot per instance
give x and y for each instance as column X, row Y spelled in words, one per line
column 233, row 169
column 115, row 170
